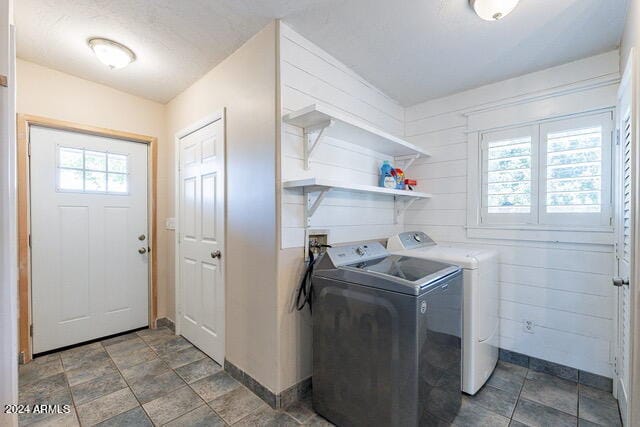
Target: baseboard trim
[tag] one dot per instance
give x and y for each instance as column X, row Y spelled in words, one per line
column 565, row 372
column 275, row 400
column 165, row 322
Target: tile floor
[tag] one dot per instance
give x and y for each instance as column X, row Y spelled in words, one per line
column 153, row 377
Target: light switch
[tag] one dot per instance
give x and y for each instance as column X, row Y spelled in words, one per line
column 170, row 223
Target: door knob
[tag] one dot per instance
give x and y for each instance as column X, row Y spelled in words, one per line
column 619, row 281
column 142, row 250
column 216, row 254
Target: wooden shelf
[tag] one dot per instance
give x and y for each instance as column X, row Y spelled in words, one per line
column 318, row 120
column 318, row 184
column 403, row 198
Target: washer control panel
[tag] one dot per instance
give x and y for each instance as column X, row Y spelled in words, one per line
column 343, row 255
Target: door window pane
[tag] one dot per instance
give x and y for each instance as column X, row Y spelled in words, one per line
column 95, row 181
column 117, row 163
column 70, row 179
column 95, row 160
column 574, row 171
column 117, row 183
column 70, row 158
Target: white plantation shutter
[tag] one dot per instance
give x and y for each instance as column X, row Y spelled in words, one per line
column 551, row 173
column 508, row 175
column 575, row 171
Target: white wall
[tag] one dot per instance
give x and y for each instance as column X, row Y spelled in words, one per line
column 309, row 75
column 49, row 93
column 563, row 287
column 244, row 84
column 631, row 34
column 8, row 224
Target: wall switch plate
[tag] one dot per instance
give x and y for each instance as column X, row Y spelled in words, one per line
column 170, row 223
column 528, row 326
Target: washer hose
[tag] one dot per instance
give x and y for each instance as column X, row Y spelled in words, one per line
column 305, row 290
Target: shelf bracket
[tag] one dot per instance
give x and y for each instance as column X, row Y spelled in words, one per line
column 408, row 160
column 312, row 205
column 401, row 207
column 312, row 137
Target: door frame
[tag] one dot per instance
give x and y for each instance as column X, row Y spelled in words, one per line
column 199, row 124
column 23, row 125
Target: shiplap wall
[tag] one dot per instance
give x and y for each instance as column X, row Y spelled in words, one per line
column 309, row 75
column 564, row 288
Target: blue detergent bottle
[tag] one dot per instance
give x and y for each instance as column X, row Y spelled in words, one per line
column 387, row 178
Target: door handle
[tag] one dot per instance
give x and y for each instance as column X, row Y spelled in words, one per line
column 216, row 254
column 619, row 281
column 142, row 250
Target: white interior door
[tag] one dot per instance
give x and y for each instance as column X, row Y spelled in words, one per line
column 200, row 273
column 88, row 237
column 625, row 231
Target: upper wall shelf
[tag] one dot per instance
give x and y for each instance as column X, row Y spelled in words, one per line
column 318, row 120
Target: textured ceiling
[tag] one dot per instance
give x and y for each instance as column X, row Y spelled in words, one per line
column 413, row 50
column 175, row 41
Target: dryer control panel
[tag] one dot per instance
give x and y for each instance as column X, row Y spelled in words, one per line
column 412, row 240
column 343, row 255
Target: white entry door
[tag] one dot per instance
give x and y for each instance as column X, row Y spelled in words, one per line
column 626, row 206
column 200, row 268
column 89, row 237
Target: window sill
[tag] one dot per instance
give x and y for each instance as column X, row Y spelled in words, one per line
column 542, row 233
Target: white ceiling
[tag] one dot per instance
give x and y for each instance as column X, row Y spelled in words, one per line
column 413, row 50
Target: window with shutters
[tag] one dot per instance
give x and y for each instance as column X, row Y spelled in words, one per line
column 550, row 173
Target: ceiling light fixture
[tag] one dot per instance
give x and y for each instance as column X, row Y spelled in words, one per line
column 493, row 10
column 110, row 53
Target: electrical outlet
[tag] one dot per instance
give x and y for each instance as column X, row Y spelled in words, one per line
column 314, row 239
column 528, row 326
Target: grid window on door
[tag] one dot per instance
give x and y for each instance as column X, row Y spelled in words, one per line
column 91, row 171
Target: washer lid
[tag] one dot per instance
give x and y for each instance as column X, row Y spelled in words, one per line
column 371, row 266
column 409, row 269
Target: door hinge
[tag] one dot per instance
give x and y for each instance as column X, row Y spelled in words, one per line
column 31, row 330
column 29, row 239
column 29, row 149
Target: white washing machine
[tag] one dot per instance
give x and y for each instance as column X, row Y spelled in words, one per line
column 480, row 332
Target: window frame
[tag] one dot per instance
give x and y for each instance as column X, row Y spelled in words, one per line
column 538, row 218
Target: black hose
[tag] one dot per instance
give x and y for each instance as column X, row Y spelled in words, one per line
column 305, row 290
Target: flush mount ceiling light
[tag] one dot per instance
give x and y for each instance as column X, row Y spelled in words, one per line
column 112, row 54
column 492, row 10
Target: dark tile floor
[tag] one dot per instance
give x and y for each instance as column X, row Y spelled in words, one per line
column 516, row 396
column 153, row 377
